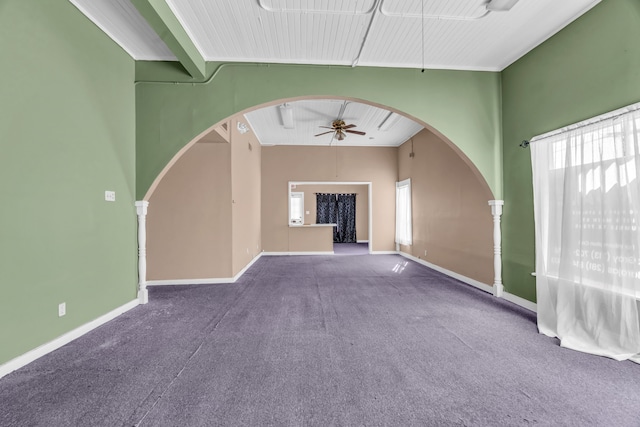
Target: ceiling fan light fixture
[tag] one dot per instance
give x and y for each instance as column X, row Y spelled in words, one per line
column 286, row 115
column 501, row 5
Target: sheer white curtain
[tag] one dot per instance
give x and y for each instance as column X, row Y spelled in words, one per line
column 587, row 214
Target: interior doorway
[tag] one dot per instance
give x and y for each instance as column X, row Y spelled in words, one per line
column 350, row 211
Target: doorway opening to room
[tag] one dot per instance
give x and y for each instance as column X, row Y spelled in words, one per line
column 343, row 209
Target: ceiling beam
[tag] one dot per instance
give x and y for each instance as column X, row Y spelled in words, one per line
column 162, row 19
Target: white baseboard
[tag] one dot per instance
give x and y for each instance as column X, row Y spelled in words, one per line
column 362, row 241
column 475, row 283
column 209, row 281
column 44, row 349
column 246, row 267
column 297, row 253
column 206, row 281
column 524, row 303
column 465, row 279
column 384, row 252
column 40, row 351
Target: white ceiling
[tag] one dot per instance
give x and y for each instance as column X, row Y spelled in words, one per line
column 438, row 34
column 385, row 33
column 310, row 114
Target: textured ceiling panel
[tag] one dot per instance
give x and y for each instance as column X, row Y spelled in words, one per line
column 121, row 21
column 243, row 31
column 450, row 34
column 309, row 115
column 453, row 40
column 319, row 6
column 461, row 9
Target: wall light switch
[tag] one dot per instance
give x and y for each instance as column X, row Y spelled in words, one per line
column 62, row 309
column 110, row 196
column 307, row 212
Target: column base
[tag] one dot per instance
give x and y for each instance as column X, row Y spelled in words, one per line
column 498, row 290
column 143, row 296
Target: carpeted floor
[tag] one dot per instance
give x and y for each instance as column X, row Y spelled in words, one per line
column 322, row 341
column 351, row 248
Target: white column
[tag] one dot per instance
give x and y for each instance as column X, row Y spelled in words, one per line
column 496, row 211
column 141, row 209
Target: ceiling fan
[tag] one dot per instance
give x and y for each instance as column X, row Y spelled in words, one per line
column 340, row 129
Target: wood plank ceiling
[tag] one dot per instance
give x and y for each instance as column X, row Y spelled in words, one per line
column 435, row 34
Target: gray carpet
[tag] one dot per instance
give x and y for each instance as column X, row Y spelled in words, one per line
column 322, row 341
column 351, row 248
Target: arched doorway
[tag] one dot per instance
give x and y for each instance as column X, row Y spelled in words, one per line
column 454, row 229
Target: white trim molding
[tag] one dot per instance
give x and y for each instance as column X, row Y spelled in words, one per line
column 475, row 283
column 44, row 349
column 496, row 212
column 531, row 306
column 460, row 277
column 384, row 252
column 207, row 281
column 141, row 210
column 298, row 253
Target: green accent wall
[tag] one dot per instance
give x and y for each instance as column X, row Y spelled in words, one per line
column 73, row 124
column 67, row 134
column 464, row 106
column 589, row 68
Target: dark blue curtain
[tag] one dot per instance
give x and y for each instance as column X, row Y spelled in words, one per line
column 327, row 210
column 338, row 209
column 346, row 219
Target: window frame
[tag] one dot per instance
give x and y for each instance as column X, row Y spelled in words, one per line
column 407, row 240
column 296, row 195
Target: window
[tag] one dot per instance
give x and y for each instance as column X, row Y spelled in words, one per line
column 587, row 223
column 403, row 213
column 296, row 208
column 586, row 181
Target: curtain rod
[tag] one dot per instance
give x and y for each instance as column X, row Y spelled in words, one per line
column 611, row 115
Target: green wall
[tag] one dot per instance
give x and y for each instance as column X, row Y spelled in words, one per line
column 462, row 105
column 590, row 67
column 71, row 124
column 67, row 134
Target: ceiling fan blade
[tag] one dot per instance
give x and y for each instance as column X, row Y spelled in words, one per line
column 349, row 126
column 324, row 133
column 357, row 132
column 325, row 127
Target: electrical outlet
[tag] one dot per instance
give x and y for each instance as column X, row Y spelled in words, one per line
column 110, row 196
column 62, row 309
